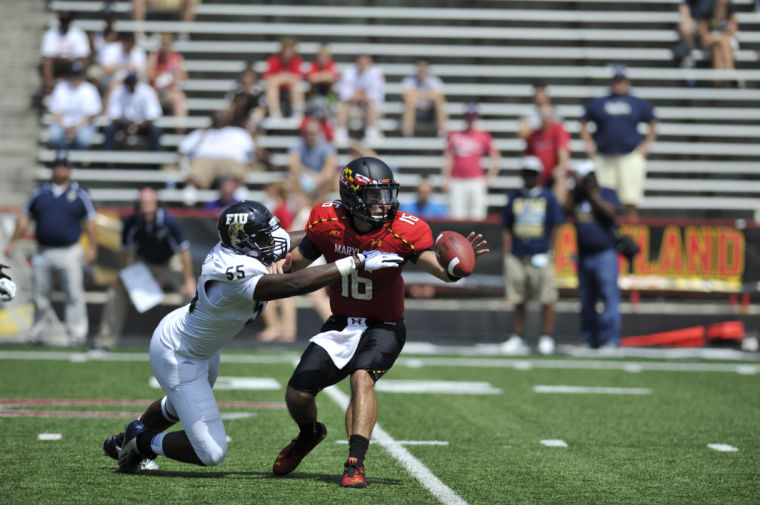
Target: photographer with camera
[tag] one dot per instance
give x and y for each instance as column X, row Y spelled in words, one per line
column 594, row 210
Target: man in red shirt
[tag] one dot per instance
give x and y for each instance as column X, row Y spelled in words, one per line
column 284, row 73
column 551, row 144
column 366, row 331
column 462, row 174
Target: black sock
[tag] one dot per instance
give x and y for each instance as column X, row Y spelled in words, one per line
column 308, row 430
column 143, row 444
column 357, row 447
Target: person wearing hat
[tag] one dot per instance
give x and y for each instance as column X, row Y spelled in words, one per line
column 594, row 210
column 133, row 107
column 617, row 148
column 58, row 208
column 463, row 177
column 73, row 106
column 529, row 225
column 62, row 45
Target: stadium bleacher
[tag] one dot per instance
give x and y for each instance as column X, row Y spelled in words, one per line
column 703, row 163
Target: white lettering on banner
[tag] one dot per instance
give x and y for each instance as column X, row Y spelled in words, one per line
column 237, row 218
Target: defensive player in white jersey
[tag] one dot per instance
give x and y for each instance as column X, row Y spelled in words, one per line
column 237, row 278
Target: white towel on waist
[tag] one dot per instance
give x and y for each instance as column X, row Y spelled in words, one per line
column 341, row 345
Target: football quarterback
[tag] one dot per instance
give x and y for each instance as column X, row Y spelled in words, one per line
column 366, row 331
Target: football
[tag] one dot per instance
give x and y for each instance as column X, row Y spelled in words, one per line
column 454, row 253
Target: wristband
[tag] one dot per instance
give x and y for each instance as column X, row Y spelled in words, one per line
column 362, row 260
column 346, row 266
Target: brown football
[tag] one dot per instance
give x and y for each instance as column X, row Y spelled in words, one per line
column 455, row 253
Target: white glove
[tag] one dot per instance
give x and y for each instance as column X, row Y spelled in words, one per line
column 375, row 260
column 7, row 290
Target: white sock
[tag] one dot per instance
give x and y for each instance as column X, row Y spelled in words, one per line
column 157, row 444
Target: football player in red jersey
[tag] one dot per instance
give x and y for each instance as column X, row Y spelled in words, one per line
column 366, row 331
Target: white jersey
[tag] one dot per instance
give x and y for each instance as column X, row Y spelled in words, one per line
column 222, row 305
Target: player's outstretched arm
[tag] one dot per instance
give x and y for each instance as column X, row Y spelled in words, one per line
column 280, row 285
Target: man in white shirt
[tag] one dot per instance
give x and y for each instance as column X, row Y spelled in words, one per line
column 120, row 58
column 220, row 150
column 239, row 275
column 361, row 85
column 423, row 99
column 133, row 106
column 61, row 46
column 73, row 106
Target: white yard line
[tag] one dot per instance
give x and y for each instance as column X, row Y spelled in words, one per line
column 591, row 390
column 553, row 443
column 404, row 442
column 492, row 360
column 419, row 471
column 722, row 447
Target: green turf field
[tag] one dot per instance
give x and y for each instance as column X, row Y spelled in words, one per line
column 650, row 447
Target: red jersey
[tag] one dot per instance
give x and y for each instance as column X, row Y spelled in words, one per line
column 275, row 65
column 316, row 68
column 468, row 147
column 377, row 295
column 545, row 144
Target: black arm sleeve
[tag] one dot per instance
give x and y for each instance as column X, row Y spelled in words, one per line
column 308, row 249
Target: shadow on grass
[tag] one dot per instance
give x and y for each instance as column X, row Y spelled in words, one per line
column 322, row 477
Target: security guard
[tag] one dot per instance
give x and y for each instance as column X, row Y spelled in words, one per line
column 58, row 208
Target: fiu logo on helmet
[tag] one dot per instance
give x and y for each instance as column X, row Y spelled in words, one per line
column 235, row 230
column 241, row 218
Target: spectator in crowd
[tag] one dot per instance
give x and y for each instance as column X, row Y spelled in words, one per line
column 119, row 59
column 73, row 107
column 58, row 208
column 322, row 75
column 717, row 32
column 220, row 150
column 594, row 210
column 132, row 108
column 363, row 86
column 100, row 38
column 531, row 120
column 312, row 163
column 185, row 9
column 153, row 236
column 62, row 45
column 617, row 148
column 247, row 103
column 690, row 13
column 319, row 112
column 229, row 190
column 165, row 70
column 280, row 317
column 529, row 226
column 550, row 143
column 423, row 100
column 424, row 205
column 463, row 177
column 284, row 73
